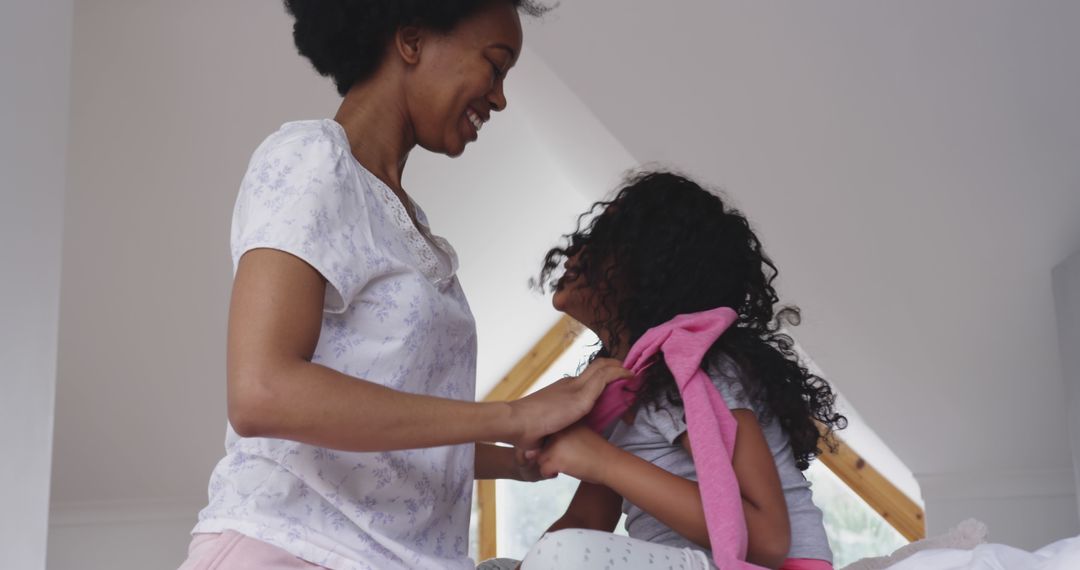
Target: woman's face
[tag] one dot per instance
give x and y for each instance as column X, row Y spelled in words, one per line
column 456, row 81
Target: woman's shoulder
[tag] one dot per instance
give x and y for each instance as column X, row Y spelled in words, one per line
column 323, row 138
column 305, row 161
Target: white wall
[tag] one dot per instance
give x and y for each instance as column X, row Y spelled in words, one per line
column 169, row 100
column 35, row 52
column 1067, row 297
column 120, row 535
column 119, row 546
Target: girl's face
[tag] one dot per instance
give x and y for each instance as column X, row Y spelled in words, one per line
column 456, row 79
column 571, row 296
column 576, row 298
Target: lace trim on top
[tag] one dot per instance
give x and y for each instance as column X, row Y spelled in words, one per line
column 420, row 241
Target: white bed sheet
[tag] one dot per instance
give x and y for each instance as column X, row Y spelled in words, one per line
column 1061, row 555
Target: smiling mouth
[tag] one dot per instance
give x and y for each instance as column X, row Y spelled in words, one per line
column 475, row 119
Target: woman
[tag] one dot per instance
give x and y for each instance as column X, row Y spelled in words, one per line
column 351, row 358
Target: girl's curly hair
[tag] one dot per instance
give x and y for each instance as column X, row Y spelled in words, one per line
column 665, row 246
column 345, row 39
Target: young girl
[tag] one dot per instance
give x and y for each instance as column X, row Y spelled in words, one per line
column 665, row 247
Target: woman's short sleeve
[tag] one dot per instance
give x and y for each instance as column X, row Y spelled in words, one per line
column 300, row 196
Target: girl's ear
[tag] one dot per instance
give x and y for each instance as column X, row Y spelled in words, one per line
column 408, row 41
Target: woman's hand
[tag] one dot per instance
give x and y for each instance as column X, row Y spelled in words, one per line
column 578, row 452
column 555, row 407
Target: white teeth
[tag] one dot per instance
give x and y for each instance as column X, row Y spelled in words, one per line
column 474, row 119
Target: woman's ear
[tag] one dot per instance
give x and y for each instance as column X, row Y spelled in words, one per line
column 408, row 41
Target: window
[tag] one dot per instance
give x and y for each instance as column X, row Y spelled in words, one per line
column 855, row 530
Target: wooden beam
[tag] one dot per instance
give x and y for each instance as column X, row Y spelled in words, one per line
column 485, row 499
column 891, row 503
column 514, row 385
column 542, row 355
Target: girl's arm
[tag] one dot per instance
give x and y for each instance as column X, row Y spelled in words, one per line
column 492, row 462
column 497, row 462
column 676, row 501
column 274, row 390
column 594, row 507
column 764, row 506
column 673, row 500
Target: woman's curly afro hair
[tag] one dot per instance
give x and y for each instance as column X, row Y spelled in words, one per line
column 665, row 246
column 345, row 39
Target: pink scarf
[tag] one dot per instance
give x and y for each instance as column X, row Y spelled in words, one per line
column 684, row 341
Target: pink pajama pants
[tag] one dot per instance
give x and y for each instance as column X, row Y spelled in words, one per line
column 231, row 550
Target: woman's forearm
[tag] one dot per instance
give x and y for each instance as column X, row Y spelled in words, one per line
column 275, row 390
column 313, row 404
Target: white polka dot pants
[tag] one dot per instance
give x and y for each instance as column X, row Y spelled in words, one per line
column 577, row 549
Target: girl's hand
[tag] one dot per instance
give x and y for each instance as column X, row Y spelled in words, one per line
column 579, row 452
column 555, row 407
column 500, row 462
column 526, row 466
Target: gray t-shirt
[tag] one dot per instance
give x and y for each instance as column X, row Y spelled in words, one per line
column 653, row 437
